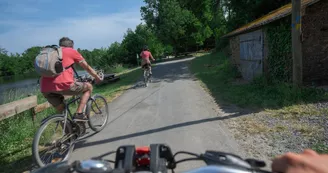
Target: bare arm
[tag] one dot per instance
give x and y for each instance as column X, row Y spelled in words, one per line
column 89, row 69
column 151, row 56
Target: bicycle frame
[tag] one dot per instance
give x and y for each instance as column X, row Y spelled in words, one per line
column 67, row 111
column 66, row 106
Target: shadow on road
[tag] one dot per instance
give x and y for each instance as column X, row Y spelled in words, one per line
column 81, row 144
column 171, row 72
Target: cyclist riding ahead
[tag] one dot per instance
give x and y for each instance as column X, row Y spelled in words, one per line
column 54, row 88
column 145, row 55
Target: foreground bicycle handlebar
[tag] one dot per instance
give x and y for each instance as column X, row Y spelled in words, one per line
column 157, row 158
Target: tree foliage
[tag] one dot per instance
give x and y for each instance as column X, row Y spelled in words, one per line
column 126, row 51
column 14, row 64
column 174, row 24
column 170, row 26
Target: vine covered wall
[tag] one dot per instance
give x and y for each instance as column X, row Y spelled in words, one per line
column 279, row 41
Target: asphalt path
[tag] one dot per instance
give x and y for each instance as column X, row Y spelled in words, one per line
column 174, row 109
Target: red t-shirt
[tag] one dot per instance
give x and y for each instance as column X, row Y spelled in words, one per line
column 64, row 80
column 145, row 55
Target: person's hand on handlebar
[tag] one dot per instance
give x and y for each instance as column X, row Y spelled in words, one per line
column 98, row 79
column 91, row 71
column 307, row 162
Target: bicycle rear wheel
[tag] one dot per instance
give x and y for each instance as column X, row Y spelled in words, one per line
column 97, row 112
column 54, row 150
column 146, row 77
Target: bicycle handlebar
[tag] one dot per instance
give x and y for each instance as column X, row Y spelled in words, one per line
column 157, row 158
column 90, row 78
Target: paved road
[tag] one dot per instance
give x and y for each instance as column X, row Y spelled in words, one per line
column 174, row 109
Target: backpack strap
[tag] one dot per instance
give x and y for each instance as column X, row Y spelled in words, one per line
column 70, row 66
column 60, row 53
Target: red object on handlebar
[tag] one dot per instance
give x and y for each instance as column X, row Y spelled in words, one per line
column 143, row 156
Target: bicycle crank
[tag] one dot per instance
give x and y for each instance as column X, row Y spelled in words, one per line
column 79, row 128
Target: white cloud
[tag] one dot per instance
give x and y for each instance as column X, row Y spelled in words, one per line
column 87, row 33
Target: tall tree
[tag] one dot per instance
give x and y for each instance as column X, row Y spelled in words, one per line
column 27, row 58
column 174, row 24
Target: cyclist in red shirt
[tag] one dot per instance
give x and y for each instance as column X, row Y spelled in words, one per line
column 145, row 55
column 54, row 88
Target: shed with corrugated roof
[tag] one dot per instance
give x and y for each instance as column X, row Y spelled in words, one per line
column 254, row 52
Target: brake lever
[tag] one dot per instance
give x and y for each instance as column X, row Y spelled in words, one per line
column 215, row 157
column 256, row 163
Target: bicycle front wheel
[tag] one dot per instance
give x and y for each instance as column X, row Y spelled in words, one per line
column 97, row 112
column 51, row 142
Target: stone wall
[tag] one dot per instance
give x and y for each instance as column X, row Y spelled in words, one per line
column 315, row 43
column 265, row 53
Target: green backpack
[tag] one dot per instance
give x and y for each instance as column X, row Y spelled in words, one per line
column 49, row 61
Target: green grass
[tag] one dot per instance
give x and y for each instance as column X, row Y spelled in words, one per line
column 320, row 148
column 116, row 68
column 17, row 132
column 219, row 76
column 16, row 140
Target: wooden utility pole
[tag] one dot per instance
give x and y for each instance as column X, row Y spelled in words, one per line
column 296, row 43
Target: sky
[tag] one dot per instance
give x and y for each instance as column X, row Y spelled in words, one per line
column 90, row 23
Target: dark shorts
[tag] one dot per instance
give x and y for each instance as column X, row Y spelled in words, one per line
column 146, row 66
column 55, row 98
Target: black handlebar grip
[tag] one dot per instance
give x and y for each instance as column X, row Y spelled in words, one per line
column 157, row 164
column 125, row 158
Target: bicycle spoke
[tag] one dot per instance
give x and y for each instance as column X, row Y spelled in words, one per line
column 97, row 108
column 42, row 156
column 54, row 143
column 48, row 159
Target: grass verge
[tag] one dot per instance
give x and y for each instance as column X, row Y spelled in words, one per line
column 17, row 132
column 279, row 109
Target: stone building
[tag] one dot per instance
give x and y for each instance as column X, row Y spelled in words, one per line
column 254, row 52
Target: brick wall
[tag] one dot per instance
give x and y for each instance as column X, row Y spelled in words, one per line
column 315, row 43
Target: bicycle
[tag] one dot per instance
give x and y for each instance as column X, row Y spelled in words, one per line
column 158, row 158
column 60, row 149
column 147, row 75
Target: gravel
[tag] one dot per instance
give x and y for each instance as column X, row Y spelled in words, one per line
column 264, row 135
